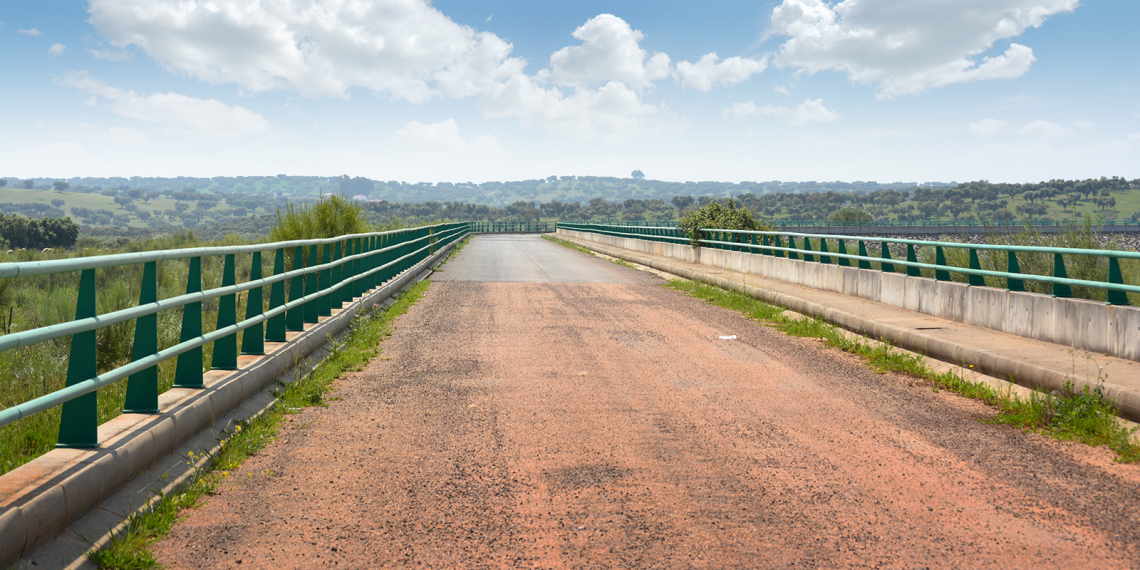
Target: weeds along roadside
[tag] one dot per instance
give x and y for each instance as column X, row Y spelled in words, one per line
column 131, row 549
column 1072, row 416
column 1081, row 416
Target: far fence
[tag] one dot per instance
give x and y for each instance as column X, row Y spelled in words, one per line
column 512, row 227
column 338, row 270
column 881, row 227
column 772, row 243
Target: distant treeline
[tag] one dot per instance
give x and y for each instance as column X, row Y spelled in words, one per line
column 18, row 231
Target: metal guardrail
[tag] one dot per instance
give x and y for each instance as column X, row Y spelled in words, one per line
column 512, row 227
column 770, row 243
column 338, row 270
column 957, row 223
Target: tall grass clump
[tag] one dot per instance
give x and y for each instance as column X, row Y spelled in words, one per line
column 327, row 218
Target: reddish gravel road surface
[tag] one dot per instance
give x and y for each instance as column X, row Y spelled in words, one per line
column 540, row 408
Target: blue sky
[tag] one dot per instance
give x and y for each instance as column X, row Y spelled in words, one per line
column 462, row 90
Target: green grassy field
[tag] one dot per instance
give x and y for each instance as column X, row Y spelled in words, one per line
column 98, row 202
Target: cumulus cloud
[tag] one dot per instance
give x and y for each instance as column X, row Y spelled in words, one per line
column 443, row 137
column 612, row 112
column 176, row 112
column 109, row 55
column 29, row 32
column 1084, row 125
column 57, row 49
column 709, row 71
column 905, row 47
column 610, row 51
column 405, row 49
column 810, row 111
column 1046, row 130
column 781, row 89
column 987, row 127
column 741, row 110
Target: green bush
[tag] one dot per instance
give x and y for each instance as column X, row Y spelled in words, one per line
column 330, row 217
column 851, row 214
column 719, row 216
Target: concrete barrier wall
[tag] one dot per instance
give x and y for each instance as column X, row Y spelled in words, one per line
column 1081, row 324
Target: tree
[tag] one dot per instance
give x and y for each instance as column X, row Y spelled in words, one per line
column 29, row 184
column 1003, row 215
column 181, row 207
column 1031, row 210
column 851, row 214
column 637, row 175
column 60, row 185
column 150, row 196
column 58, row 203
column 135, row 193
column 718, row 216
column 3, row 182
column 682, row 202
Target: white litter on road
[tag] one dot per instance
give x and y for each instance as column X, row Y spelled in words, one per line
column 729, row 337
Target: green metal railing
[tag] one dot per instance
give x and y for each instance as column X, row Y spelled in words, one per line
column 771, row 243
column 338, row 270
column 512, row 227
column 1074, row 224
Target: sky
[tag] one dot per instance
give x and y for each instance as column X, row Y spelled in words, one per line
column 472, row 91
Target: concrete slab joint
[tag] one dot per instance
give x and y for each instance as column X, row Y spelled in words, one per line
column 40, row 499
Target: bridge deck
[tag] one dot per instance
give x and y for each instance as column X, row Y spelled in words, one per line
column 525, row 415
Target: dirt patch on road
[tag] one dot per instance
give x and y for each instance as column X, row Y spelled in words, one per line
column 556, row 425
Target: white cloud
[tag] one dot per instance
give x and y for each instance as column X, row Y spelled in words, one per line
column 57, row 49
column 443, row 138
column 810, row 111
column 907, row 47
column 405, row 49
column 987, row 127
column 781, row 89
column 741, row 110
column 612, row 112
column 176, row 112
column 29, row 32
column 610, row 51
column 109, row 55
column 707, row 72
column 1045, row 130
column 1084, row 125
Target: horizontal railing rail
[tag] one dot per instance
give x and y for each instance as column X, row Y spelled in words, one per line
column 957, row 223
column 770, row 243
column 338, row 270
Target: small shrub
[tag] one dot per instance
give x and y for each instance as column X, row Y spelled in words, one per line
column 719, row 216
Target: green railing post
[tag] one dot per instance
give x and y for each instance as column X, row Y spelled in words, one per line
column 1060, row 290
column 225, row 348
column 885, row 254
column 823, row 251
column 1116, row 297
column 792, row 245
column 324, row 303
column 188, row 372
column 1012, row 267
column 275, row 326
column 253, row 338
column 764, row 242
column 843, row 261
column 295, row 316
column 357, row 249
column 976, row 280
column 940, row 260
column 912, row 271
column 863, row 263
column 142, row 387
column 79, row 419
column 312, row 280
column 337, row 301
column 807, row 247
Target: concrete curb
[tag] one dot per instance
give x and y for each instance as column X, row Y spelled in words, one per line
column 993, row 364
column 143, row 452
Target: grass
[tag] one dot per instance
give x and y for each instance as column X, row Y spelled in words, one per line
column 131, row 549
column 1070, row 415
column 565, row 243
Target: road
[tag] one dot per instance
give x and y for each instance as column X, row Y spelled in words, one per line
column 543, row 408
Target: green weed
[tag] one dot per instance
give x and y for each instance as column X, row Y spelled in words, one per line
column 1084, row 416
column 565, row 243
